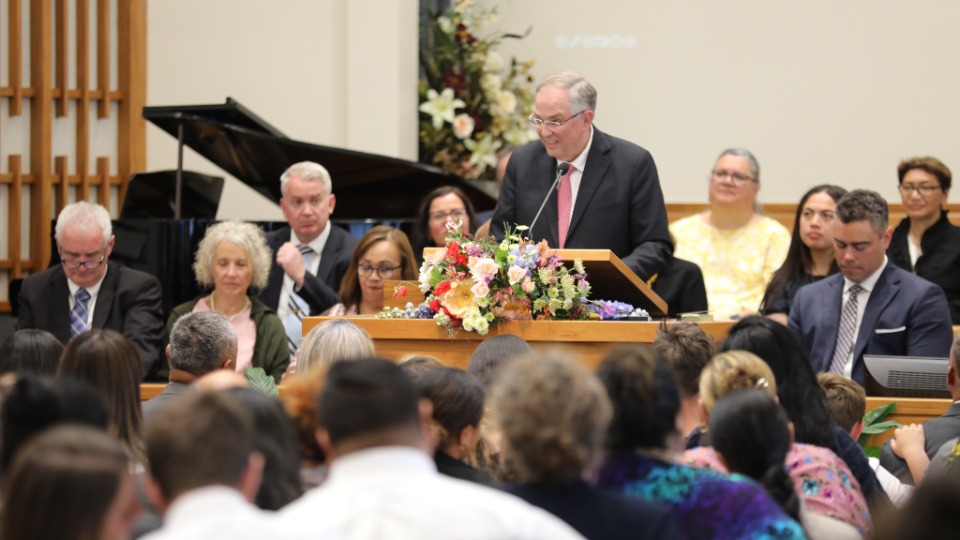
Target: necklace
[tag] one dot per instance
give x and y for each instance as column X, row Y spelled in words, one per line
column 213, row 306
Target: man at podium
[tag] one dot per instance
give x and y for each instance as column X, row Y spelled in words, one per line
column 607, row 190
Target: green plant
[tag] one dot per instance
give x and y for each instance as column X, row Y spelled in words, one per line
column 260, row 381
column 875, row 423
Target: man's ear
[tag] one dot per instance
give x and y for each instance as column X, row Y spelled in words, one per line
column 428, row 434
column 793, row 433
column 704, row 416
column 252, row 476
column 856, row 430
column 228, row 364
column 323, row 439
column 155, row 494
column 110, row 245
column 166, row 352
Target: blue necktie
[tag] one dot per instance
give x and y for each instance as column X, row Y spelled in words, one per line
column 79, row 313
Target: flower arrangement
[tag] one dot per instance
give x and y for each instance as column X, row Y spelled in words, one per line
column 472, row 103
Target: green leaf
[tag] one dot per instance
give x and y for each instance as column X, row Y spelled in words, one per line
column 872, row 451
column 261, row 382
column 880, row 427
column 878, row 414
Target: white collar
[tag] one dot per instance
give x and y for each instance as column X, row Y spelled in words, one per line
column 869, row 283
column 93, row 289
column 374, row 462
column 317, row 243
column 195, row 505
column 580, row 162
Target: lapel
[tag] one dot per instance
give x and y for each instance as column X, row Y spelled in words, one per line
column 545, row 169
column 831, row 317
column 108, row 290
column 886, row 289
column 328, row 255
column 595, row 173
column 60, row 309
column 954, row 410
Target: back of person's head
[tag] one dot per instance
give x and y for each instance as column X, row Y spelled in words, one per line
column 202, row 439
column 35, row 404
column 493, row 354
column 751, row 433
column 415, row 366
column 70, row 482
column 202, row 342
column 687, row 348
column 333, row 341
column 735, row 370
column 554, row 417
column 931, row 513
column 797, row 387
column 369, row 403
column 846, row 399
column 110, row 363
column 275, row 439
column 30, row 351
column 645, row 398
column 457, row 400
column 299, row 400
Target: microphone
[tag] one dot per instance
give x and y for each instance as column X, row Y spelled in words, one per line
column 561, row 170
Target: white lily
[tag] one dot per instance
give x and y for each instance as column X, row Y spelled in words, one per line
column 441, row 107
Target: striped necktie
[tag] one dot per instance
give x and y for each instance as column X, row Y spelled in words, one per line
column 846, row 335
column 80, row 313
column 298, row 306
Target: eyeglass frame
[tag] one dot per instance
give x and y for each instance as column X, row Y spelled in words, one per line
column 539, row 123
column 924, row 190
column 437, row 217
column 365, row 271
column 75, row 264
column 737, row 178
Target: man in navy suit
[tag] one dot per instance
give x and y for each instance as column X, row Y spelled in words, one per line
column 311, row 254
column 610, row 200
column 871, row 306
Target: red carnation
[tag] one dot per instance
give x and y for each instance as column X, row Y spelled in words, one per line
column 442, row 288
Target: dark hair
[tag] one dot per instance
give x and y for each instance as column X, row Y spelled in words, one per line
column 63, row 484
column 275, row 438
column 750, row 430
column 109, row 362
column 930, row 164
column 864, row 205
column 368, row 398
column 687, row 349
column 30, row 351
column 202, row 439
column 457, row 400
column 493, row 353
column 644, row 395
column 416, row 366
column 798, row 261
column 421, row 228
column 350, row 292
column 35, row 404
column 797, row 387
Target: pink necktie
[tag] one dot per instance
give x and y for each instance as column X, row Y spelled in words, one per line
column 564, row 196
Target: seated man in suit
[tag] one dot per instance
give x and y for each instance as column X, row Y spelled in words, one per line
column 610, row 196
column 870, row 307
column 87, row 291
column 200, row 342
column 311, row 254
column 936, row 431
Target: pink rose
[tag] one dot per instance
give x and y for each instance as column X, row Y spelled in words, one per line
column 516, row 273
column 480, row 290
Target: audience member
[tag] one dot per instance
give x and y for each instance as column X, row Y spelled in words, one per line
column 311, row 254
column 417, row 364
column 810, row 256
column 219, row 380
column 70, row 483
column 642, row 462
column 87, row 291
column 687, row 349
column 848, row 405
column 30, row 351
column 205, row 470
column 446, row 204
column 457, row 400
column 925, row 242
column 932, row 513
column 736, row 248
column 200, row 342
column 901, row 314
column 299, row 400
column 333, row 341
column 555, row 416
column 383, row 253
column 493, row 354
column 373, row 428
column 108, row 361
column 233, row 259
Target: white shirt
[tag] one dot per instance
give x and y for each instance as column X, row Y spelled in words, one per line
column 221, row 512
column 394, row 493
column 896, row 490
column 314, row 265
column 579, row 164
column 93, row 290
column 866, row 287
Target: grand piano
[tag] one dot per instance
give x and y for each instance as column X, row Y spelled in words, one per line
column 161, row 224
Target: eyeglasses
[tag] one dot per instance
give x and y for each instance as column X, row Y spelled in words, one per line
column 73, row 264
column 538, row 122
column 736, row 177
column 923, row 189
column 437, row 217
column 382, row 271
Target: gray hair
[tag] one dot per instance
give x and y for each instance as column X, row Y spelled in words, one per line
column 747, row 155
column 201, row 342
column 306, row 171
column 583, row 96
column 331, row 342
column 84, row 216
column 246, row 235
column 864, row 205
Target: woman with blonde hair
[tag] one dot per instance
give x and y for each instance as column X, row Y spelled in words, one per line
column 333, row 341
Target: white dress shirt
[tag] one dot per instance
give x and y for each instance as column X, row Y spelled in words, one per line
column 394, row 493
column 579, row 164
column 867, row 286
column 317, row 245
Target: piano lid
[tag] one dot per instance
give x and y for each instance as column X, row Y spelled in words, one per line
column 367, row 185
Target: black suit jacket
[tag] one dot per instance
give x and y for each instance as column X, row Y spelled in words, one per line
column 936, row 432
column 319, row 291
column 619, row 204
column 128, row 302
column 940, row 262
